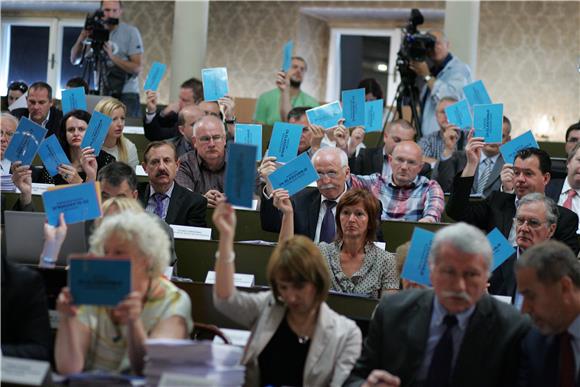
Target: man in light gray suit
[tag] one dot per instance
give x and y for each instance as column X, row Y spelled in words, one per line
column 447, row 168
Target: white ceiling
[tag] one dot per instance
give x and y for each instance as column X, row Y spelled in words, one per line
column 332, row 14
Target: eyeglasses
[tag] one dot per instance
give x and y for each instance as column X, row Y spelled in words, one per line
column 7, row 134
column 215, row 138
column 532, row 223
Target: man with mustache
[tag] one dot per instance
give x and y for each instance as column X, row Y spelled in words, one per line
column 163, row 196
column 452, row 335
column 529, row 173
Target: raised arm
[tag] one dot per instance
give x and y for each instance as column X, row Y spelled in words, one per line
column 224, row 219
column 282, row 202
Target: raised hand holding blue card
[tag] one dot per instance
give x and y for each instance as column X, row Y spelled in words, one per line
column 52, row 155
column 459, row 115
column 154, row 77
column 501, row 247
column 295, row 175
column 416, row 267
column 353, row 107
column 99, row 280
column 25, row 142
column 374, row 116
column 284, row 141
column 487, row 122
column 287, row 57
column 73, row 99
column 476, row 94
column 250, row 134
column 215, row 83
column 509, row 150
column 326, row 116
column 240, row 179
column 96, row 132
column 78, row 202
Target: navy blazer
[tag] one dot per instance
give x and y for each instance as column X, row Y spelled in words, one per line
column 503, row 279
column 53, row 124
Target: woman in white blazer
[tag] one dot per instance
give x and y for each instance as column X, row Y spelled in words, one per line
column 296, row 340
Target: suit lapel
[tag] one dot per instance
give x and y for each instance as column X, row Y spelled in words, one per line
column 416, row 332
column 324, row 328
column 495, row 172
column 174, row 205
column 313, row 215
column 378, row 160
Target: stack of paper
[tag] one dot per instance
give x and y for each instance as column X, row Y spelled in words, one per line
column 219, row 364
column 6, row 183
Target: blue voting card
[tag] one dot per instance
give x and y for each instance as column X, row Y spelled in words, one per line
column 487, row 122
column 295, row 175
column 374, row 116
column 97, row 132
column 501, row 247
column 250, row 134
column 240, row 179
column 78, row 202
column 284, row 141
column 476, row 94
column 509, row 150
column 353, row 107
column 154, row 77
column 326, row 116
column 215, row 83
column 459, row 114
column 52, row 154
column 287, row 56
column 99, row 280
column 73, row 99
column 25, row 142
column 416, row 267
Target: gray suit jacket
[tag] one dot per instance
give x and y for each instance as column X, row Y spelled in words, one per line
column 445, row 171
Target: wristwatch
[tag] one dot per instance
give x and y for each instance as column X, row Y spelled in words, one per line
column 232, row 121
column 428, row 78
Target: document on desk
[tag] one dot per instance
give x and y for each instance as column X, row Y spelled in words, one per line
column 215, row 83
column 284, row 141
column 26, row 372
column 353, row 107
column 374, row 116
column 501, row 247
column 240, row 280
column 488, row 122
column 509, row 149
column 250, row 134
column 240, row 179
column 154, row 77
column 189, row 232
column 416, row 267
column 73, row 99
column 459, row 114
column 99, row 280
column 476, row 94
column 295, row 175
column 96, row 132
column 52, row 154
column 326, row 116
column 25, row 142
column 194, row 352
column 78, row 202
column 287, row 56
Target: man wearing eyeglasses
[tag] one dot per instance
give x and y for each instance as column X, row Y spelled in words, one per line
column 203, row 168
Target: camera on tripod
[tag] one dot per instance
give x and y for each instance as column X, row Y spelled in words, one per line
column 96, row 24
column 414, row 46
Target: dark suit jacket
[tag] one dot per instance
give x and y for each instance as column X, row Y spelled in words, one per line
column 554, row 189
column 399, row 330
column 446, row 170
column 25, row 323
column 186, row 208
column 370, row 160
column 503, row 279
column 53, row 123
column 161, row 127
column 499, row 209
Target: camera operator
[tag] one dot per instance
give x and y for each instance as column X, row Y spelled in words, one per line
column 445, row 77
column 124, row 52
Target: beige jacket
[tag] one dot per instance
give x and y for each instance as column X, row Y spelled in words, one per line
column 334, row 349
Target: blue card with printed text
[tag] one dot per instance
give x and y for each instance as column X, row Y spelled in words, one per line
column 99, row 280
column 374, row 116
column 353, row 107
column 501, row 247
column 52, row 154
column 250, row 134
column 459, row 114
column 73, row 99
column 154, row 77
column 240, row 179
column 487, row 122
column 78, row 202
column 215, row 83
column 295, row 175
column 510, row 149
column 326, row 116
column 97, row 132
column 476, row 94
column 284, row 141
column 287, row 56
column 416, row 267
column 25, row 142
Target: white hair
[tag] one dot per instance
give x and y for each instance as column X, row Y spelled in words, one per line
column 337, row 151
column 9, row 117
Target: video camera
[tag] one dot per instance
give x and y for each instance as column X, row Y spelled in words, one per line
column 96, row 25
column 414, row 46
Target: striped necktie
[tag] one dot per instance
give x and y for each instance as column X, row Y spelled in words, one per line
column 484, row 177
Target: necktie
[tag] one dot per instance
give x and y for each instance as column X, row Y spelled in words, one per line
column 568, row 202
column 328, row 227
column 440, row 369
column 159, row 198
column 484, row 177
column 567, row 366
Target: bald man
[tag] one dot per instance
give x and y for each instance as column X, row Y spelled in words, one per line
column 405, row 194
column 186, row 119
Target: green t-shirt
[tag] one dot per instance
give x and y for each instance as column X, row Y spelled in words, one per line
column 268, row 105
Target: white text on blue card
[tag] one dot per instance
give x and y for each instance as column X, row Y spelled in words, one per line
column 295, row 175
column 510, row 149
column 78, row 203
column 353, row 107
column 52, row 154
column 501, row 247
column 487, row 122
column 284, row 141
column 459, row 114
column 416, row 267
column 96, row 132
column 326, row 116
column 374, row 116
column 25, row 142
column 99, row 280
